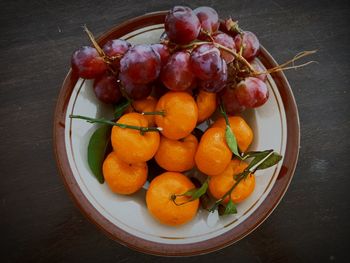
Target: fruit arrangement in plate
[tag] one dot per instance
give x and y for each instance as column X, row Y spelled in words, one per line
column 163, row 95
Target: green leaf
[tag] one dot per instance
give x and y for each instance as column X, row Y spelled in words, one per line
column 270, row 161
column 230, row 208
column 196, row 193
column 231, row 141
column 258, row 156
column 201, row 191
column 189, row 193
column 120, row 108
column 97, row 148
column 229, row 135
column 254, row 153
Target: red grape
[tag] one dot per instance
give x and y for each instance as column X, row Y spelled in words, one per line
column 208, row 18
column 206, row 61
column 227, row 41
column 229, row 99
column 182, row 25
column 116, row 47
column 255, row 64
column 135, row 91
column 177, row 74
column 106, row 89
column 163, row 52
column 252, row 92
column 141, row 64
column 217, row 83
column 250, row 42
column 87, row 63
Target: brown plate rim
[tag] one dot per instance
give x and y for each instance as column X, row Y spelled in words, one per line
column 202, row 247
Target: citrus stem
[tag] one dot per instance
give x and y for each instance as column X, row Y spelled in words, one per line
column 193, row 194
column 108, row 122
column 125, row 95
column 223, row 113
column 174, row 196
column 239, row 177
column 162, row 113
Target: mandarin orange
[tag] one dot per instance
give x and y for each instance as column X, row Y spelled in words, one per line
column 121, row 177
column 213, row 154
column 159, row 199
column 130, row 145
column 220, row 184
column 180, row 114
column 240, row 128
column 146, row 105
column 206, row 103
column 177, row 156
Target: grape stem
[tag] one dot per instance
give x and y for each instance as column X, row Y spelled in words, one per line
column 100, row 51
column 231, row 51
column 94, row 42
column 285, row 66
column 239, row 57
column 121, row 125
column 207, row 34
column 236, row 55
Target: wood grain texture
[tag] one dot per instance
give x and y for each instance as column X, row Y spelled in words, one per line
column 38, row 221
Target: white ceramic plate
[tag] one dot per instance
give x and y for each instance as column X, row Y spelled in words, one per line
column 128, row 215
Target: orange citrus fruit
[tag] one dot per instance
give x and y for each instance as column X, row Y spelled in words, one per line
column 159, row 199
column 206, row 103
column 130, row 145
column 146, row 105
column 121, row 177
column 240, row 128
column 220, row 184
column 180, row 114
column 213, row 154
column 177, row 156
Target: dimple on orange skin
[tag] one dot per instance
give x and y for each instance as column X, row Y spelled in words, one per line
column 177, row 156
column 160, row 204
column 130, row 145
column 180, row 114
column 240, row 128
column 220, row 184
column 146, row 105
column 206, row 103
column 123, row 178
column 213, row 154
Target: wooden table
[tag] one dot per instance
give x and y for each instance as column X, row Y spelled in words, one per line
column 38, row 220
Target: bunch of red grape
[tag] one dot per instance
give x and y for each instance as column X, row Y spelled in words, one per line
column 193, row 54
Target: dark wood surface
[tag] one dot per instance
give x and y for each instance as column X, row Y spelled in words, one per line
column 38, row 220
